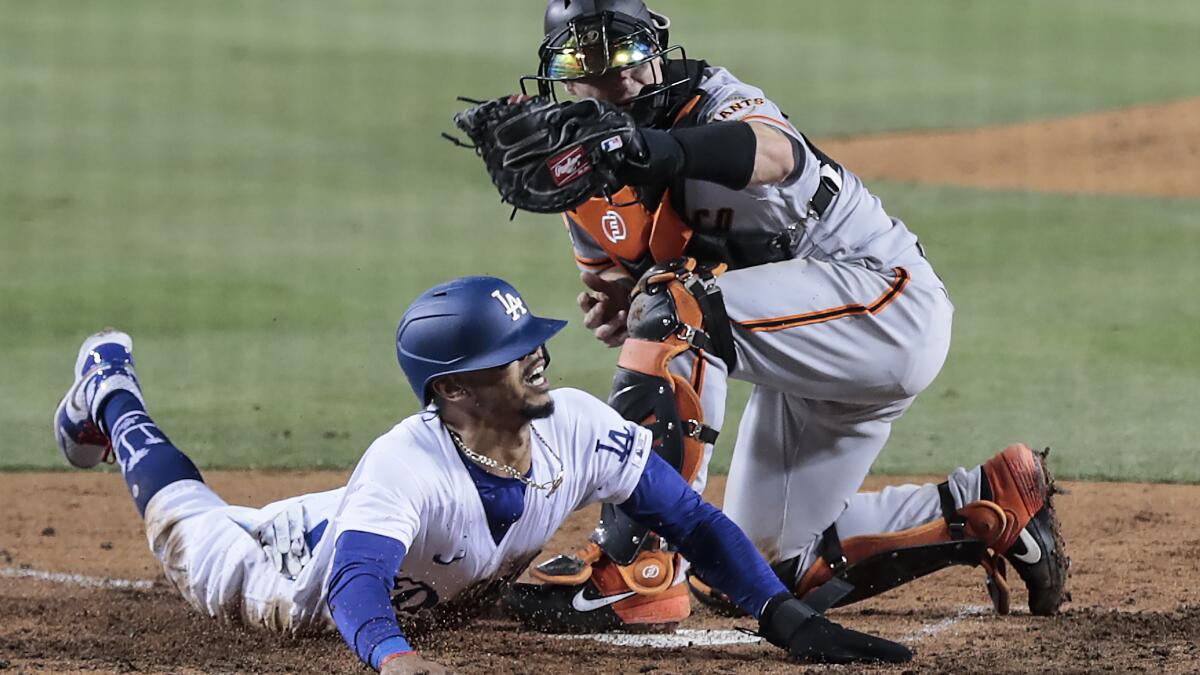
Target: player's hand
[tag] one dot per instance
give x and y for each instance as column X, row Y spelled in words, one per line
column 605, row 307
column 413, row 664
column 808, row 636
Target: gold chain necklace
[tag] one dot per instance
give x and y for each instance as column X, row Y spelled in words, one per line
column 549, row 487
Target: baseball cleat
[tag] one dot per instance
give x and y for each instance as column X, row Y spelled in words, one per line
column 602, row 603
column 104, row 365
column 1021, row 484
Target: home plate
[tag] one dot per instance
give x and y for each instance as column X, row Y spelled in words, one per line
column 680, row 638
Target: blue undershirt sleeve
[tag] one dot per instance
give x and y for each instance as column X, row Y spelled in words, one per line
column 360, row 586
column 717, row 548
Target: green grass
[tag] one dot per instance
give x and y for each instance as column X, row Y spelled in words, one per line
column 256, row 190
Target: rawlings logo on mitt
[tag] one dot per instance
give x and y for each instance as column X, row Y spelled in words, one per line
column 549, row 157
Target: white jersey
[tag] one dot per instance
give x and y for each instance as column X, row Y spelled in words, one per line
column 411, row 485
column 855, row 227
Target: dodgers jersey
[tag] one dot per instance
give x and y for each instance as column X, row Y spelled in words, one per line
column 411, row 485
column 855, row 227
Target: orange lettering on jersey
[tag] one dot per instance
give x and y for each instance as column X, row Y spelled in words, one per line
column 738, row 106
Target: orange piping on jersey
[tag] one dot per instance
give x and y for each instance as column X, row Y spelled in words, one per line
column 821, row 316
column 751, row 118
column 594, row 263
column 687, row 109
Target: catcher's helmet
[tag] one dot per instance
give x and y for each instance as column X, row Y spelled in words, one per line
column 588, row 38
column 470, row 323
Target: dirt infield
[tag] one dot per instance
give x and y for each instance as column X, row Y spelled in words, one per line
column 1136, row 597
column 1148, row 150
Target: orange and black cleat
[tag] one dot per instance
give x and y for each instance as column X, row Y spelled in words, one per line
column 590, row 593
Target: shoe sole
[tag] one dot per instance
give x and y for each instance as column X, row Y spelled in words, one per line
column 108, row 335
column 1060, row 562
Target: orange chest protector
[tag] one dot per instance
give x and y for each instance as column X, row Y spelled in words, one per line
column 630, row 233
column 634, row 237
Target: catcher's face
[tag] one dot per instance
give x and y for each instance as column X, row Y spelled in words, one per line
column 617, row 87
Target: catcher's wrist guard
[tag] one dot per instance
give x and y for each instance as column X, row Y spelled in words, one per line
column 722, row 153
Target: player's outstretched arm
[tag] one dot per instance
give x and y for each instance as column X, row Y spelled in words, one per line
column 360, row 585
column 724, row 556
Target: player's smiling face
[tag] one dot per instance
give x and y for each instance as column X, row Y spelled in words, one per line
column 616, row 87
column 516, row 390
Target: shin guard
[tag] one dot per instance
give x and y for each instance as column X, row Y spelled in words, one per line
column 861, row 567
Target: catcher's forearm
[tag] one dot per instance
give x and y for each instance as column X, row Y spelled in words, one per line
column 722, row 153
column 733, row 154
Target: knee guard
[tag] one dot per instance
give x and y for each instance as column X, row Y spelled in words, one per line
column 857, row 568
column 676, row 306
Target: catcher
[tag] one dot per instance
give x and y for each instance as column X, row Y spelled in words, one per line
column 673, row 172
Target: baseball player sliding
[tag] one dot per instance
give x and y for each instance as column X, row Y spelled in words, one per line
column 442, row 511
column 801, row 283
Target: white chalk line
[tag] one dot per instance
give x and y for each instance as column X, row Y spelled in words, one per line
column 683, row 637
column 80, row 580
column 708, row 638
column 937, row 627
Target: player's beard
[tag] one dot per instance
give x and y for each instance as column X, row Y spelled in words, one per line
column 533, row 411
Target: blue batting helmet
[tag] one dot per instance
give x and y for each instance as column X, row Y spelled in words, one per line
column 470, row 323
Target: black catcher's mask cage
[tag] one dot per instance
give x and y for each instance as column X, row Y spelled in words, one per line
column 609, row 42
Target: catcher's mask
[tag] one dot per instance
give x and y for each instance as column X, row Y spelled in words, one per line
column 590, row 38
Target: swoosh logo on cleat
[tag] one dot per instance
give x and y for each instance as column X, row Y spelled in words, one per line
column 1033, row 552
column 582, row 603
column 437, row 558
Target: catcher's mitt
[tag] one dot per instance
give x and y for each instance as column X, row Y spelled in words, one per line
column 550, row 157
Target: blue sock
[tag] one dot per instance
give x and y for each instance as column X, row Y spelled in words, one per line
column 148, row 460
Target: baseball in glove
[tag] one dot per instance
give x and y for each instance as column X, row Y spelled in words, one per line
column 550, row 157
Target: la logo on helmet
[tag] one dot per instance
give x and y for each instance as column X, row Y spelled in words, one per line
column 513, row 305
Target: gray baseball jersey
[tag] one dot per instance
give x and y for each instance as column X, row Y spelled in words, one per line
column 838, row 335
column 855, row 227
